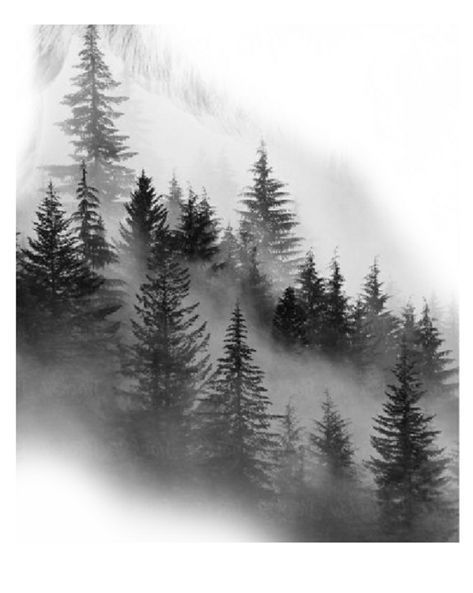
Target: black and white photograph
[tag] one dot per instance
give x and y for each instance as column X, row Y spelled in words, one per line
column 238, row 285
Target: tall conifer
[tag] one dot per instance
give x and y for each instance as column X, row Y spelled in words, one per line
column 268, row 222
column 168, row 361
column 409, row 466
column 96, row 139
column 241, row 444
column 336, row 322
column 145, row 223
column 376, row 325
column 311, row 293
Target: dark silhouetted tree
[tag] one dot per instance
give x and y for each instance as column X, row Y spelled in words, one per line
column 240, row 443
column 409, row 467
column 336, row 318
column 198, row 229
column 288, row 320
column 144, row 225
column 311, row 293
column 58, row 318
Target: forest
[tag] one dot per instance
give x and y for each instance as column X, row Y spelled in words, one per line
column 182, row 347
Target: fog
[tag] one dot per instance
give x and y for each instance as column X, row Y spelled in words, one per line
column 360, row 123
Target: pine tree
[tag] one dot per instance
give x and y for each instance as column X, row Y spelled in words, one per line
column 434, row 362
column 97, row 140
column 311, row 293
column 55, row 288
column 336, row 322
column 409, row 467
column 374, row 298
column 378, row 326
column 145, row 224
column 174, row 202
column 240, row 444
column 198, row 229
column 168, row 361
column 268, row 223
column 95, row 249
column 288, row 320
column 331, row 442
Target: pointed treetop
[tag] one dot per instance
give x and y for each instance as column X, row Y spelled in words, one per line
column 374, row 297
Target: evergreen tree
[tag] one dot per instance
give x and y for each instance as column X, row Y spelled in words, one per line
column 237, row 422
column 168, row 360
column 146, row 222
column 434, row 362
column 267, row 221
column 331, row 441
column 336, row 322
column 174, row 202
column 288, row 320
column 96, row 251
column 377, row 324
column 311, row 293
column 409, row 467
column 97, row 140
column 198, row 229
column 55, row 312
column 375, row 298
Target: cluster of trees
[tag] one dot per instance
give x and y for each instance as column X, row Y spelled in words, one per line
column 315, row 315
column 124, row 310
